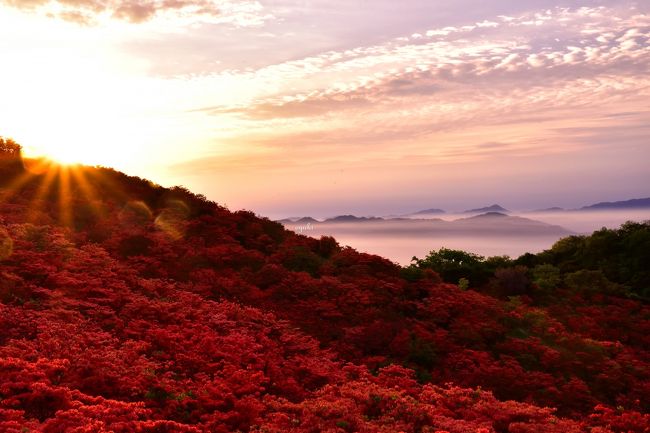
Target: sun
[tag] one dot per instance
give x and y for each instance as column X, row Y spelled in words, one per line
column 70, row 154
column 67, row 154
column 80, row 148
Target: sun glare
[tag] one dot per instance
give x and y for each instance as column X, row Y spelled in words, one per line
column 66, row 155
column 96, row 139
column 43, row 180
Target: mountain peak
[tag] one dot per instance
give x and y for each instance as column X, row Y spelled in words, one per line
column 350, row 218
column 432, row 211
column 492, row 208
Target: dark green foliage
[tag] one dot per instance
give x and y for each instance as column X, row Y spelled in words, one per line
column 496, row 262
column 610, row 261
column 452, row 265
column 546, row 277
column 588, row 281
column 468, row 270
column 621, row 256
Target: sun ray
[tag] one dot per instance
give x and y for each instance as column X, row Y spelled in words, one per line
column 87, row 190
column 32, row 169
column 107, row 183
column 42, row 178
column 64, row 199
column 42, row 191
column 10, row 190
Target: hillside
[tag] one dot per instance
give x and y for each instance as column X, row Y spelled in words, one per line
column 126, row 306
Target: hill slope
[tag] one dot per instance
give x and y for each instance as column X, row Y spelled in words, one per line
column 126, row 307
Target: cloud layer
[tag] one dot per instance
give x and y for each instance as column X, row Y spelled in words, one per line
column 528, row 52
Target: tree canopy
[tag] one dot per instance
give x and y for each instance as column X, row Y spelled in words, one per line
column 9, row 148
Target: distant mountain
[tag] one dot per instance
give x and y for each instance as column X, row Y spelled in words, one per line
column 485, row 224
column 487, row 215
column 493, row 208
column 497, row 222
column 433, row 211
column 351, row 219
column 637, row 203
column 549, row 209
column 298, row 220
column 305, row 220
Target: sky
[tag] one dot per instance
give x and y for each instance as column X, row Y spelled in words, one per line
column 315, row 107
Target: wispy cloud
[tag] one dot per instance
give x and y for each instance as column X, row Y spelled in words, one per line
column 533, row 50
column 235, row 12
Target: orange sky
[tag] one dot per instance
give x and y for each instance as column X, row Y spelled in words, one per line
column 326, row 107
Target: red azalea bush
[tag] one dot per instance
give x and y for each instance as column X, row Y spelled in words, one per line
column 203, row 320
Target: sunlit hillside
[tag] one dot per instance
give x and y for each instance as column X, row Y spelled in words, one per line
column 129, row 307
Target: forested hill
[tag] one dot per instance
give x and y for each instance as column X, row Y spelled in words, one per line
column 129, row 307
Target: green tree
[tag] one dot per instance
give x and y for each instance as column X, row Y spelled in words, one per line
column 619, row 256
column 590, row 281
column 546, row 277
column 452, row 265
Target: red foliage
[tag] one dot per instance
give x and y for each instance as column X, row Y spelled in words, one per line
column 204, row 320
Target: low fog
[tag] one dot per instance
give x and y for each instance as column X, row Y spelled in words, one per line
column 399, row 239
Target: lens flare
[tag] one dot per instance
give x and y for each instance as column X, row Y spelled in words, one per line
column 135, row 214
column 171, row 220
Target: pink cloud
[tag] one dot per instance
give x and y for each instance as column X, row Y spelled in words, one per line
column 237, row 12
column 438, row 66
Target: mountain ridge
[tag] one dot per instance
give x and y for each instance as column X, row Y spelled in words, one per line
column 432, row 211
column 637, row 203
column 486, row 223
column 491, row 208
